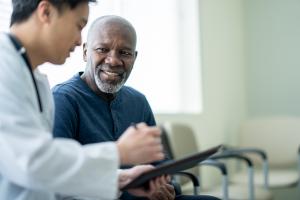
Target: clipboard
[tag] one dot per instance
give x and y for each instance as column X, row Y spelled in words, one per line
column 171, row 167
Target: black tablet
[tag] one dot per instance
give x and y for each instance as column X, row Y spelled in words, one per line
column 171, row 167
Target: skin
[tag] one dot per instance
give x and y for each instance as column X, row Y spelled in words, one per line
column 128, row 175
column 110, row 53
column 42, row 31
column 164, row 190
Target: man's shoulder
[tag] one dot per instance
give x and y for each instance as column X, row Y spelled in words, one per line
column 68, row 87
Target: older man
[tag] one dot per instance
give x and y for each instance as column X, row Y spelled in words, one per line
column 95, row 105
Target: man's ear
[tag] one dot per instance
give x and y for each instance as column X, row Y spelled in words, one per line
column 135, row 54
column 84, row 46
column 45, row 11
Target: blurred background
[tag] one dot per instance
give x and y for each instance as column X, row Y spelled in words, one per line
column 211, row 64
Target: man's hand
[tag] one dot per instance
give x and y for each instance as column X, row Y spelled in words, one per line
column 159, row 189
column 164, row 192
column 140, row 145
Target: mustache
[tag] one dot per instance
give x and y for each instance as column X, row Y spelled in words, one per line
column 109, row 68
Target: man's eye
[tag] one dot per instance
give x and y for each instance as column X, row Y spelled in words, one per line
column 101, row 50
column 126, row 53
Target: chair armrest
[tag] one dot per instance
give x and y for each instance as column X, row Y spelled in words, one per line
column 259, row 152
column 229, row 155
column 222, row 167
column 192, row 177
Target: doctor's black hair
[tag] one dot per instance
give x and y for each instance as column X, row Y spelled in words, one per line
column 23, row 9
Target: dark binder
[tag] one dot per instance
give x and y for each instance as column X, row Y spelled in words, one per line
column 171, row 167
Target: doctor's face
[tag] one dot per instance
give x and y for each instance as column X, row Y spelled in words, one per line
column 63, row 32
column 110, row 56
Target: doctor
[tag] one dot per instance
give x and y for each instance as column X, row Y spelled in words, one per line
column 33, row 165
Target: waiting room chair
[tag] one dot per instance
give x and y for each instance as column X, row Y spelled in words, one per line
column 183, row 142
column 279, row 137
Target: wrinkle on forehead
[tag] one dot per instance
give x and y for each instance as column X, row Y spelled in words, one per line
column 111, row 24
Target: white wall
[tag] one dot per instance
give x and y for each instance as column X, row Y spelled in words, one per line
column 273, row 71
column 223, row 63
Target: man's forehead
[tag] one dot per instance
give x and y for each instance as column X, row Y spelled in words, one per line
column 112, row 31
column 109, row 39
column 112, row 27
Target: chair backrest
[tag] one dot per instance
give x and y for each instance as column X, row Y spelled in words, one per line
column 182, row 142
column 278, row 136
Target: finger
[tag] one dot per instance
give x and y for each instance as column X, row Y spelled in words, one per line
column 168, row 177
column 143, row 168
column 157, row 182
column 130, row 129
column 163, row 180
column 161, row 195
column 150, row 130
column 167, row 192
column 155, row 196
column 171, row 189
column 138, row 170
column 141, row 125
column 154, row 153
column 159, row 156
column 152, row 141
column 155, row 148
column 152, row 186
column 155, row 131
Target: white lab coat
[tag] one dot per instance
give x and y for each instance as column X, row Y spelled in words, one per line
column 33, row 165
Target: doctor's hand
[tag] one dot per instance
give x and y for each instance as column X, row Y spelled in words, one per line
column 140, row 144
column 157, row 186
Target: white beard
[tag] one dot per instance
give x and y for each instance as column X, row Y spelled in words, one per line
column 106, row 87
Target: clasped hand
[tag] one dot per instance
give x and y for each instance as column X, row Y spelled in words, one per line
column 159, row 188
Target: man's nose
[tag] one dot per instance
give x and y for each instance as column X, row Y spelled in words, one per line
column 79, row 40
column 113, row 59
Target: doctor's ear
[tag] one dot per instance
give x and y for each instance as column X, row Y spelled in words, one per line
column 84, row 52
column 45, row 11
